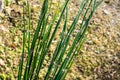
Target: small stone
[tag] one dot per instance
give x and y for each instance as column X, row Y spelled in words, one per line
column 2, row 28
column 106, row 12
column 2, row 63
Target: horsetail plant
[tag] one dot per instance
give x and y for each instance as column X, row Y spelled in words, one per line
column 64, row 55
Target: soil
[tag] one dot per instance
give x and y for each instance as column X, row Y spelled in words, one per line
column 99, row 58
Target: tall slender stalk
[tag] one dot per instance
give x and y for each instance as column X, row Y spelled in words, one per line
column 23, row 49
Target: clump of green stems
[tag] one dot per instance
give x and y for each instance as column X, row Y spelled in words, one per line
column 62, row 58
